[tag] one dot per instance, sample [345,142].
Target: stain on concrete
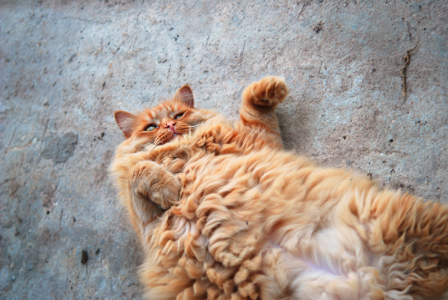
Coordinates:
[101,171]
[59,149]
[84,257]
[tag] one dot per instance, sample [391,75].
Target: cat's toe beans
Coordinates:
[278,89]
[272,90]
[263,101]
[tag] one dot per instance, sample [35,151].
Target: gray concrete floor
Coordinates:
[65,66]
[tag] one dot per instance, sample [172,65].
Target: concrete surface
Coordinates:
[65,66]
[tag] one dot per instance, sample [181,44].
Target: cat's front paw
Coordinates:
[269,91]
[153,181]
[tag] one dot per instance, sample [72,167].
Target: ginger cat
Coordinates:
[224,213]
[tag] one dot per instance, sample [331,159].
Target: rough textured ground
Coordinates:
[65,66]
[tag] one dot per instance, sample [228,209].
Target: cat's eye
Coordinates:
[178,116]
[151,127]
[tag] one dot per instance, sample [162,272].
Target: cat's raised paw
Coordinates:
[269,91]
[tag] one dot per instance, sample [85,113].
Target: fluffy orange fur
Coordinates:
[224,213]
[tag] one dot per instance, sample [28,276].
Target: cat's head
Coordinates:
[163,123]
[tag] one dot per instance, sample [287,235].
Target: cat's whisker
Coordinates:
[152,148]
[192,126]
[158,259]
[156,143]
[169,250]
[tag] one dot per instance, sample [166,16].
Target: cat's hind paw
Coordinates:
[270,91]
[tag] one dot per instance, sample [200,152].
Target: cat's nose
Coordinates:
[170,125]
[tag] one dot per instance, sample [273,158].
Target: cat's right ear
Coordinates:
[126,122]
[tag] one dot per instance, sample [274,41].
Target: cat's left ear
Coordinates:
[185,95]
[126,122]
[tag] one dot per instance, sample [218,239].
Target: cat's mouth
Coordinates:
[168,136]
[175,135]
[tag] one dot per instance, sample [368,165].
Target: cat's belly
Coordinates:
[332,264]
[303,231]
[277,206]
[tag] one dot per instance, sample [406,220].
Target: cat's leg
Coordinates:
[153,181]
[153,190]
[259,101]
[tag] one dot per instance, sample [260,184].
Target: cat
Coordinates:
[223,212]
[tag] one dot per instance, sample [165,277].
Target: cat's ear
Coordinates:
[185,95]
[126,122]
